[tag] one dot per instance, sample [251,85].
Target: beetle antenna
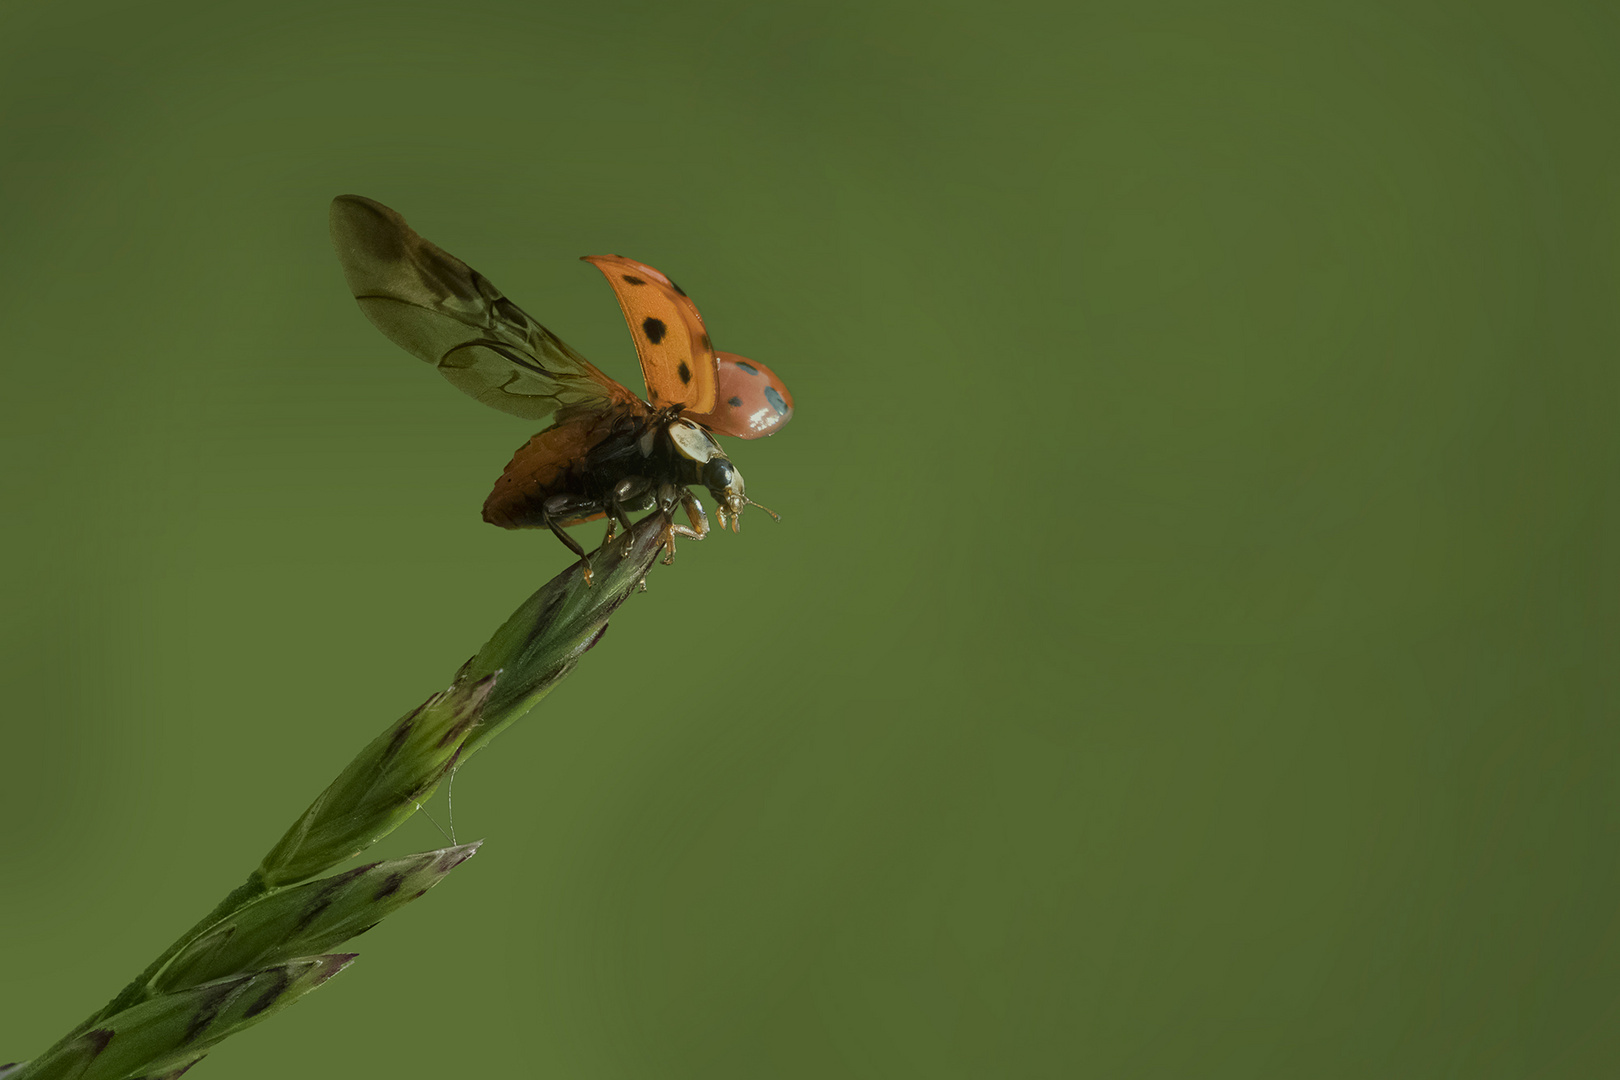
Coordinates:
[774,515]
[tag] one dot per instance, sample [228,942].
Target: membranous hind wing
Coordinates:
[440,309]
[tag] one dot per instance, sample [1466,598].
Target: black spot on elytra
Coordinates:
[747,367]
[632,279]
[654,329]
[735,403]
[776,400]
[684,372]
[708,343]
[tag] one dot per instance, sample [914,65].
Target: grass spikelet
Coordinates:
[265,944]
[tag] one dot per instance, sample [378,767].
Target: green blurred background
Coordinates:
[1191,645]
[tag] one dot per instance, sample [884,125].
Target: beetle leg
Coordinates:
[666,536]
[694,514]
[696,531]
[668,496]
[546,513]
[629,493]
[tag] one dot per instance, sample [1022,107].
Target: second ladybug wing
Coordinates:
[750,401]
[438,308]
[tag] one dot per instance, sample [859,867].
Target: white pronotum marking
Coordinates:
[692,442]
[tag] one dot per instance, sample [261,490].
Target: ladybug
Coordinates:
[607,453]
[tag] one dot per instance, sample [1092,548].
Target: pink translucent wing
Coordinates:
[750,402]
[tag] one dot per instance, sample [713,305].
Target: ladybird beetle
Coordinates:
[607,453]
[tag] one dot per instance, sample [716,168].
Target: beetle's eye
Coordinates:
[718,474]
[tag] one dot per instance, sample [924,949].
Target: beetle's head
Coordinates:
[725,483]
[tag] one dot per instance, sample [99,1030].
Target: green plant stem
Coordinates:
[523,661]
